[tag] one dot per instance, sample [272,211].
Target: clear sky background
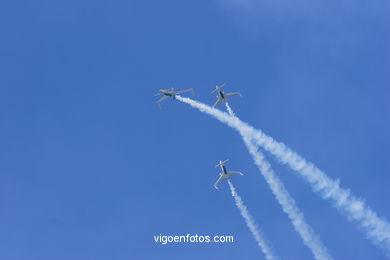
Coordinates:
[90,168]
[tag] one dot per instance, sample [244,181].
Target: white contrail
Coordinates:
[310,239]
[328,188]
[285,200]
[376,228]
[257,234]
[229,109]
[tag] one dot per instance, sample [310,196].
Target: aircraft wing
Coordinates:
[162,99]
[218,181]
[231,173]
[182,91]
[219,101]
[232,94]
[218,88]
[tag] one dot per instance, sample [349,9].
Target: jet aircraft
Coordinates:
[167,93]
[224,174]
[222,97]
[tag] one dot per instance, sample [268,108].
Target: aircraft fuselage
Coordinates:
[167,93]
[221,94]
[223,168]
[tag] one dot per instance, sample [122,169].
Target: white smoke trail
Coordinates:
[285,200]
[328,188]
[229,109]
[257,234]
[376,228]
[310,239]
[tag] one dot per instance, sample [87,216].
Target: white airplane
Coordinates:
[222,97]
[225,173]
[170,93]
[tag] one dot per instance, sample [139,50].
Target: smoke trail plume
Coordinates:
[310,239]
[285,200]
[229,109]
[283,197]
[257,234]
[376,228]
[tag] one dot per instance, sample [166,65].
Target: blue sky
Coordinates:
[90,168]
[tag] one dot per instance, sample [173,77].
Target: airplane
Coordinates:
[170,93]
[222,97]
[225,173]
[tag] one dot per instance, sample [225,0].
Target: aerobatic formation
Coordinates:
[377,229]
